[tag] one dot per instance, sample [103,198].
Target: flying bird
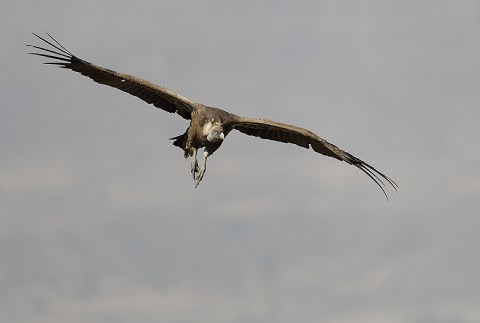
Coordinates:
[208,126]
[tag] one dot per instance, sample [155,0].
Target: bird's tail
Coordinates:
[179,141]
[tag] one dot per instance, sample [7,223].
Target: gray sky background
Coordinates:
[100,221]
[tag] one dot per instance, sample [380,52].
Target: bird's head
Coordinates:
[215,133]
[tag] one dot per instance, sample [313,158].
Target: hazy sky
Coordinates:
[100,221]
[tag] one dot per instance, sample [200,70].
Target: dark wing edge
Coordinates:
[160,97]
[286,133]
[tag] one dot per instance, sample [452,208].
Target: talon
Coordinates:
[200,176]
[202,170]
[194,165]
[195,170]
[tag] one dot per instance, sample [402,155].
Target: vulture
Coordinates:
[209,126]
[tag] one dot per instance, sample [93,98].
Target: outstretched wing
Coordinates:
[282,132]
[160,97]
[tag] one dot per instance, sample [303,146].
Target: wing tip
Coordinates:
[56,51]
[377,177]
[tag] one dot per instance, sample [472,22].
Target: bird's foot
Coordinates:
[195,169]
[194,165]
[201,172]
[202,169]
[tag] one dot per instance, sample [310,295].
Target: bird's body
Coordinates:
[208,126]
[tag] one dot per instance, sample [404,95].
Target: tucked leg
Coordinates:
[194,166]
[202,170]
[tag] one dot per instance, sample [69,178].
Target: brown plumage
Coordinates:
[208,126]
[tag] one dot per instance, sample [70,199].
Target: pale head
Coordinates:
[215,133]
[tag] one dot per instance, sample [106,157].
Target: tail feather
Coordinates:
[179,141]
